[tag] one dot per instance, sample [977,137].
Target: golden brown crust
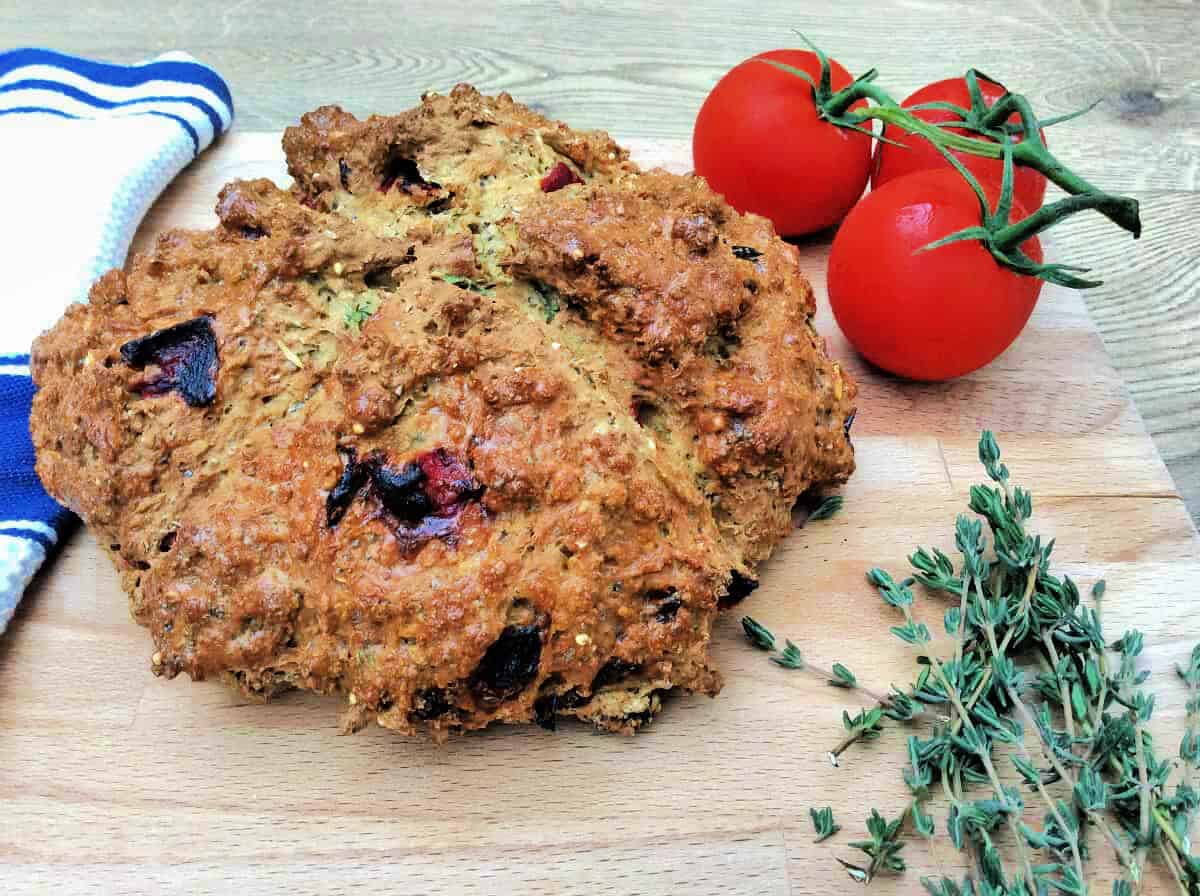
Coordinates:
[477,452]
[723,346]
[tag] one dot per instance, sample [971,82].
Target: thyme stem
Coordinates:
[985,759]
[1064,691]
[1097,819]
[1173,863]
[1015,698]
[1143,797]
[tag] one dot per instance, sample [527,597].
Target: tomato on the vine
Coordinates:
[918,154]
[760,143]
[933,314]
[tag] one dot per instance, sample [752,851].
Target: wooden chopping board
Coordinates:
[113,781]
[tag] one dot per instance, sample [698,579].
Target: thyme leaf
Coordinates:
[827,508]
[484,289]
[823,821]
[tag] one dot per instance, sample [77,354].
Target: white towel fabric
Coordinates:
[85,149]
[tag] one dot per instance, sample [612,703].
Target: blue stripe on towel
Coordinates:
[31,535]
[120,75]
[181,121]
[22,497]
[15,110]
[83,96]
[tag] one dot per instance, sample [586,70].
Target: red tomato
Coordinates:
[892,162]
[758,142]
[927,315]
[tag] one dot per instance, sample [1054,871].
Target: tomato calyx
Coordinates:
[991,130]
[992,120]
[833,106]
[1003,238]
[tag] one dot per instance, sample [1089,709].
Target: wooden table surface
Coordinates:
[641,69]
[112,781]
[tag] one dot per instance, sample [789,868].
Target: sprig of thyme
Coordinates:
[884,848]
[1031,682]
[868,723]
[1089,732]
[790,657]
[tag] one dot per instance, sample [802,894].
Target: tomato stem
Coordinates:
[1047,216]
[1003,239]
[1030,152]
[993,140]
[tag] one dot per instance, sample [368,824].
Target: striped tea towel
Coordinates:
[85,148]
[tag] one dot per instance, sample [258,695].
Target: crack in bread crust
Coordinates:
[479,452]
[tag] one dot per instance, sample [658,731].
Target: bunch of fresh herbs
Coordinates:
[1032,682]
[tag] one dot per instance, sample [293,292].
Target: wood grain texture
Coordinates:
[112,781]
[643,68]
